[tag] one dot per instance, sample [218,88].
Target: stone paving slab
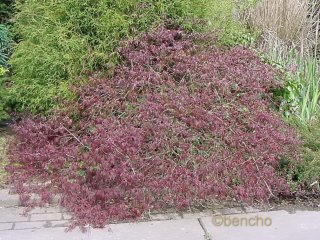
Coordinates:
[16,214]
[30,225]
[183,229]
[186,229]
[6,226]
[284,226]
[12,215]
[52,222]
[8,200]
[45,234]
[280,225]
[46,217]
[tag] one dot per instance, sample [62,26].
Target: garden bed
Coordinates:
[178,124]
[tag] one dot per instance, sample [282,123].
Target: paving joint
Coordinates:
[207,235]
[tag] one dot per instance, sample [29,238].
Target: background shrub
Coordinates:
[61,40]
[5,42]
[3,95]
[6,9]
[177,125]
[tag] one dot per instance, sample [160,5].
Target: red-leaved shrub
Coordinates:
[178,124]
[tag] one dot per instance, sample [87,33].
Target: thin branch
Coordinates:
[75,137]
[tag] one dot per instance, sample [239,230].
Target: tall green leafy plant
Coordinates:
[310,91]
[302,90]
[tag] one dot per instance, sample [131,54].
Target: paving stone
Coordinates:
[284,226]
[12,215]
[45,234]
[46,217]
[173,230]
[182,229]
[49,226]
[30,225]
[228,211]
[62,223]
[197,215]
[167,216]
[8,200]
[41,224]
[38,210]
[66,216]
[5,226]
[251,210]
[54,209]
[49,209]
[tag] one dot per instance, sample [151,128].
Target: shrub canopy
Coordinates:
[61,40]
[5,10]
[5,44]
[177,125]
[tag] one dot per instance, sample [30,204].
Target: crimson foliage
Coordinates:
[178,124]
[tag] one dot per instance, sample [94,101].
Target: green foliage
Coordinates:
[310,91]
[309,170]
[302,90]
[222,17]
[6,8]
[5,42]
[3,71]
[4,142]
[62,41]
[4,45]
[3,96]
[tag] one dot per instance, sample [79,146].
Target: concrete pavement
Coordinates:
[222,224]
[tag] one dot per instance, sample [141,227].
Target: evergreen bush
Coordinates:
[62,40]
[5,42]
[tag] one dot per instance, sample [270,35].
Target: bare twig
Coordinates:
[75,137]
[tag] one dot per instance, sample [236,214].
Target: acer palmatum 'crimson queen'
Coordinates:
[178,124]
